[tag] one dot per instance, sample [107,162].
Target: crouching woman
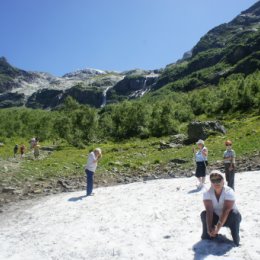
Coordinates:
[221,210]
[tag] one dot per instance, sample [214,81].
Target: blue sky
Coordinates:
[60,36]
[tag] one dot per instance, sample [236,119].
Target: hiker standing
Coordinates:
[36,150]
[201,157]
[90,169]
[229,162]
[22,150]
[32,142]
[16,148]
[220,209]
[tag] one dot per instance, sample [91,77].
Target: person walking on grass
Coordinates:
[229,162]
[220,209]
[36,150]
[201,157]
[16,148]
[90,169]
[32,143]
[22,150]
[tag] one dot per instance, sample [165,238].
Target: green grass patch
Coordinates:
[129,156]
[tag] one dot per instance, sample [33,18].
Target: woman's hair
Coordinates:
[228,142]
[98,150]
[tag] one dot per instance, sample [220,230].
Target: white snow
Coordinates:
[41,80]
[85,73]
[153,220]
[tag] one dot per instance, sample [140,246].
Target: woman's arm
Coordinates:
[228,205]
[97,157]
[209,216]
[205,152]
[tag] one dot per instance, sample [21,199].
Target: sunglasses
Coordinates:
[216,180]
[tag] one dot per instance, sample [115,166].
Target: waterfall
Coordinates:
[144,85]
[104,97]
[140,92]
[148,83]
[144,88]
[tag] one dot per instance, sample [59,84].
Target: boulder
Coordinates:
[164,146]
[178,139]
[8,190]
[202,130]
[179,161]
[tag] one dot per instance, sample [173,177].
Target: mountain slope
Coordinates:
[230,48]
[87,86]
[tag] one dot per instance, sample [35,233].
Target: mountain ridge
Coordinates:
[223,50]
[30,87]
[229,48]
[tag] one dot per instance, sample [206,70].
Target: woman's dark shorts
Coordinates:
[201,169]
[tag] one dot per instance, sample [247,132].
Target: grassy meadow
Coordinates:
[132,156]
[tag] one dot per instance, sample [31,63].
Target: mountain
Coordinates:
[87,86]
[232,47]
[227,49]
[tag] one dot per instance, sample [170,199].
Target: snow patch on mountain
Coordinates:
[84,73]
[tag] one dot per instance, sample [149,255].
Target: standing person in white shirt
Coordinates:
[221,210]
[201,157]
[90,169]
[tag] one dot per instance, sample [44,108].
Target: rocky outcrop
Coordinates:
[132,86]
[92,97]
[45,91]
[45,98]
[202,130]
[11,100]
[84,74]
[51,98]
[219,36]
[8,70]
[7,75]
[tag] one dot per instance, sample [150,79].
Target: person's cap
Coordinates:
[200,142]
[216,173]
[228,142]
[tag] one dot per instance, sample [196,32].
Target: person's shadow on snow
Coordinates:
[74,199]
[194,191]
[217,247]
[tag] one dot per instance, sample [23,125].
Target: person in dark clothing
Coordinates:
[22,150]
[229,163]
[201,157]
[16,148]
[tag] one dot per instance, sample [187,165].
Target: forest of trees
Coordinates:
[79,124]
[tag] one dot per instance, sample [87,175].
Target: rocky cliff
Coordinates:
[88,86]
